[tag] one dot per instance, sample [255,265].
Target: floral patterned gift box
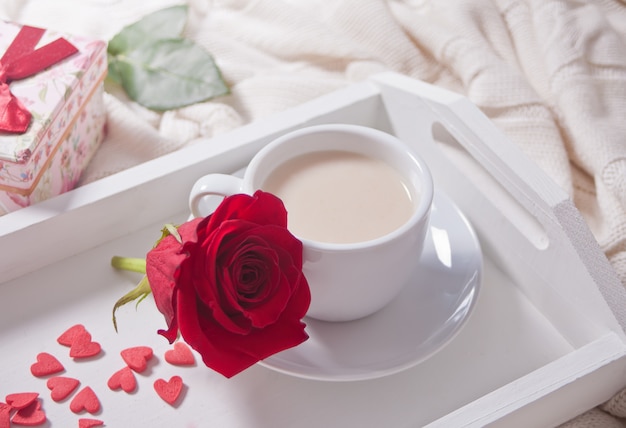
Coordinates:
[52,83]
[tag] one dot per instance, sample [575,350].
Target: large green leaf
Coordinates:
[169,73]
[166,23]
[113,74]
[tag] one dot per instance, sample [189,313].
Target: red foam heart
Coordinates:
[123,379]
[46,364]
[5,415]
[21,400]
[68,337]
[30,416]
[181,355]
[86,400]
[88,423]
[137,358]
[170,390]
[84,347]
[61,387]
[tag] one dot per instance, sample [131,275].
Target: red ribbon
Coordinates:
[22,60]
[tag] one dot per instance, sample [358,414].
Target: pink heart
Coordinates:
[68,337]
[30,416]
[84,347]
[170,390]
[87,400]
[5,415]
[21,400]
[181,355]
[46,365]
[137,357]
[124,379]
[61,387]
[88,423]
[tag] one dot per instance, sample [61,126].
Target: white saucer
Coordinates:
[427,314]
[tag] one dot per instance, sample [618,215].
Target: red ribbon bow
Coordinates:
[21,60]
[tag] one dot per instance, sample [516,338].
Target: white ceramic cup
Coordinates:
[347,280]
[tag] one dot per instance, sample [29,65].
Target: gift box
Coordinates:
[60,106]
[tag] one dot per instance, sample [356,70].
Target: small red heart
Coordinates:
[137,358]
[61,387]
[84,347]
[20,400]
[123,379]
[181,355]
[46,364]
[5,415]
[87,400]
[88,423]
[68,337]
[170,390]
[30,416]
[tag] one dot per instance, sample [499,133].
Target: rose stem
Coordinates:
[129,263]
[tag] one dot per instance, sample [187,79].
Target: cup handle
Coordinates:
[213,184]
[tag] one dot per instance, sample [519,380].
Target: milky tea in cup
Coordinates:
[341,197]
[358,198]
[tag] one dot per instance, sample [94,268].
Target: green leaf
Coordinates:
[169,73]
[112,73]
[141,291]
[170,229]
[163,24]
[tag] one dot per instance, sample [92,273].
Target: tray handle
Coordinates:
[529,224]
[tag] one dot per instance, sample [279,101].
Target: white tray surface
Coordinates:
[504,339]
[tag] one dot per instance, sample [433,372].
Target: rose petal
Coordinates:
[268,308]
[228,353]
[194,329]
[227,210]
[163,261]
[218,289]
[287,332]
[265,209]
[261,208]
[203,279]
[283,239]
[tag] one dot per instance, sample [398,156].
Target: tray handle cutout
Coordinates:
[447,128]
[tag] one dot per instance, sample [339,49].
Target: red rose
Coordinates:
[234,286]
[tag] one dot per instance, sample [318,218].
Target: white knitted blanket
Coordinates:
[550,73]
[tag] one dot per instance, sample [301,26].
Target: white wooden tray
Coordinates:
[542,345]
